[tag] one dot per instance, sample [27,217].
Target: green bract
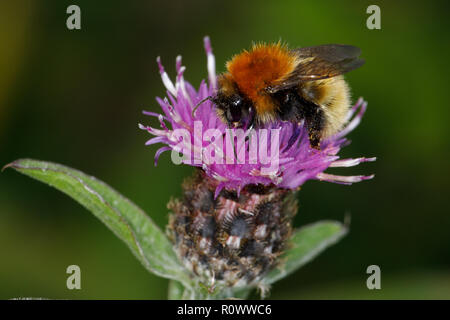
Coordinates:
[151,246]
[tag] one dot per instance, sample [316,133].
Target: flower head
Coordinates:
[282,156]
[235,216]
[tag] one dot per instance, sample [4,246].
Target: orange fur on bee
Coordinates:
[262,66]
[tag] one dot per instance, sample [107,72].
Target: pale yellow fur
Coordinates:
[333,95]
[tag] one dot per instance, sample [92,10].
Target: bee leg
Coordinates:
[316,122]
[293,138]
[314,138]
[250,119]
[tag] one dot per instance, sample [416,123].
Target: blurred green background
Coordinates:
[75,97]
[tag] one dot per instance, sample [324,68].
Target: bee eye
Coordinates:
[237,101]
[287,98]
[234,112]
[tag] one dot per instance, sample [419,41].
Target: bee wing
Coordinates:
[321,62]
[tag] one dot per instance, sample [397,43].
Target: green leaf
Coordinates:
[176,290]
[147,242]
[305,244]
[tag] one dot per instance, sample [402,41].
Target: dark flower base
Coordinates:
[231,240]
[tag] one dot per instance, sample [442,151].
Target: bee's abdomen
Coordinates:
[333,96]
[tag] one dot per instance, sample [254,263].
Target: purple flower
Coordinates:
[282,157]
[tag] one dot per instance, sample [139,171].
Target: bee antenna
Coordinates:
[198,105]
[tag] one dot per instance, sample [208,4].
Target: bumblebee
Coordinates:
[271,82]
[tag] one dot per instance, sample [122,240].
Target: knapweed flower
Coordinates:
[236,212]
[190,134]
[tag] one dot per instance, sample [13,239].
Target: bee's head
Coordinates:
[232,109]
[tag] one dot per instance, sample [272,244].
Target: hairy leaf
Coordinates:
[147,242]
